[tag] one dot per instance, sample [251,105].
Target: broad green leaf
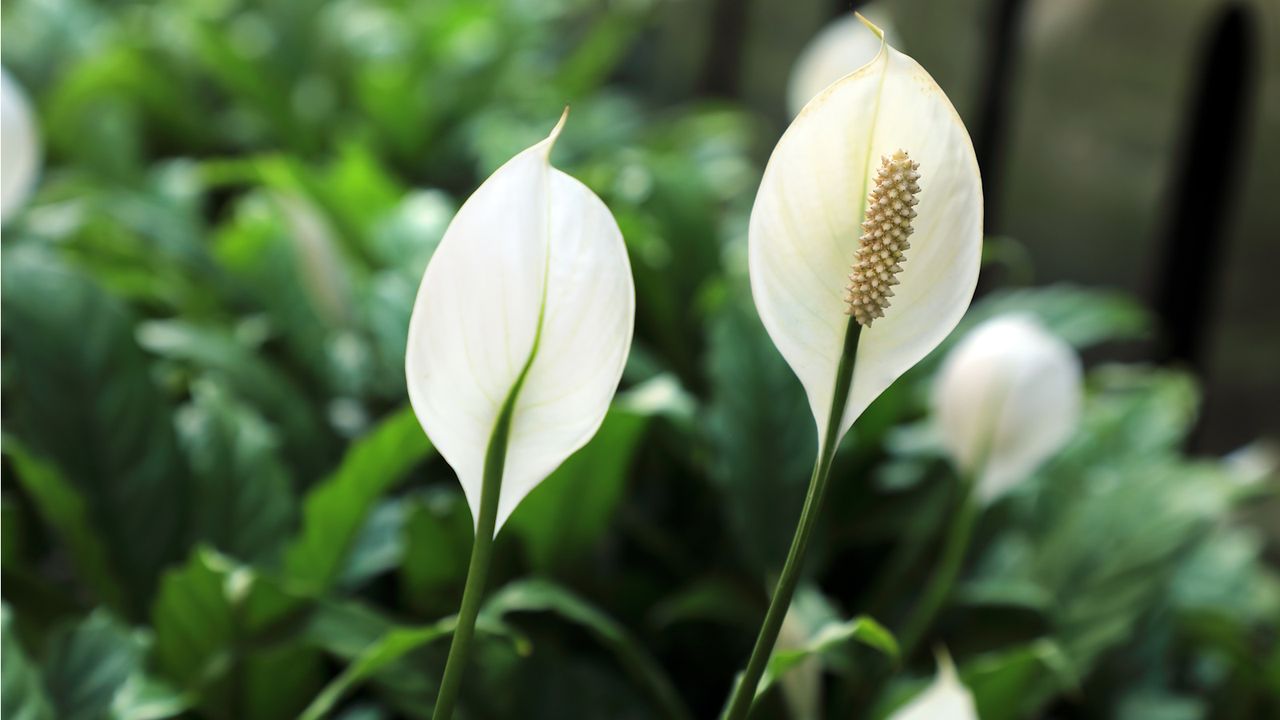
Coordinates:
[243,497]
[761,433]
[78,392]
[1013,683]
[562,520]
[545,596]
[23,694]
[145,698]
[88,665]
[63,508]
[217,638]
[437,538]
[379,547]
[335,510]
[217,352]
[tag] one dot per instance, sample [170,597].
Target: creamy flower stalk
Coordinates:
[864,247]
[1006,399]
[517,342]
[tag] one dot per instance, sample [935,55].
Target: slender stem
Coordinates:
[944,575]
[481,553]
[745,690]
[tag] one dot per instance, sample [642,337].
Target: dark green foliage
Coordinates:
[217,503]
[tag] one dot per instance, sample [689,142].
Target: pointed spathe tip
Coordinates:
[870,25]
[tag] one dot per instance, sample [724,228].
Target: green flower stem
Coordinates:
[495,459]
[745,690]
[944,576]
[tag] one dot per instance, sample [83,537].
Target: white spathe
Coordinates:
[839,48]
[1007,398]
[945,699]
[805,230]
[532,271]
[19,147]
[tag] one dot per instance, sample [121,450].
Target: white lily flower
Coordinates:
[842,46]
[1007,398]
[19,147]
[945,699]
[878,156]
[528,301]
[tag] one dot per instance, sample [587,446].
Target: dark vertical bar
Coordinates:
[1201,196]
[724,52]
[989,137]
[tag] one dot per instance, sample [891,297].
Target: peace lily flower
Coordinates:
[1007,398]
[19,147]
[841,47]
[864,246]
[945,699]
[519,334]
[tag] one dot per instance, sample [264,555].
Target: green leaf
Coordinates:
[545,596]
[23,695]
[1013,683]
[336,510]
[243,498]
[762,434]
[216,352]
[861,629]
[63,508]
[218,638]
[437,537]
[387,650]
[78,391]
[1081,316]
[194,621]
[88,665]
[562,520]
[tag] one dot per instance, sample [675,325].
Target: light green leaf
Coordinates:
[387,650]
[336,509]
[87,666]
[63,508]
[23,695]
[1012,683]
[545,596]
[861,629]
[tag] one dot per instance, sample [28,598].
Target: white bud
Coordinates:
[1007,398]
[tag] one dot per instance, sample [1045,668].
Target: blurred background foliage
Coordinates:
[217,504]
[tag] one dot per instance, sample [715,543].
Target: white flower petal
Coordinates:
[1007,397]
[532,254]
[19,147]
[805,229]
[842,46]
[945,699]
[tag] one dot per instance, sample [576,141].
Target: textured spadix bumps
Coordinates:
[807,228]
[529,292]
[885,238]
